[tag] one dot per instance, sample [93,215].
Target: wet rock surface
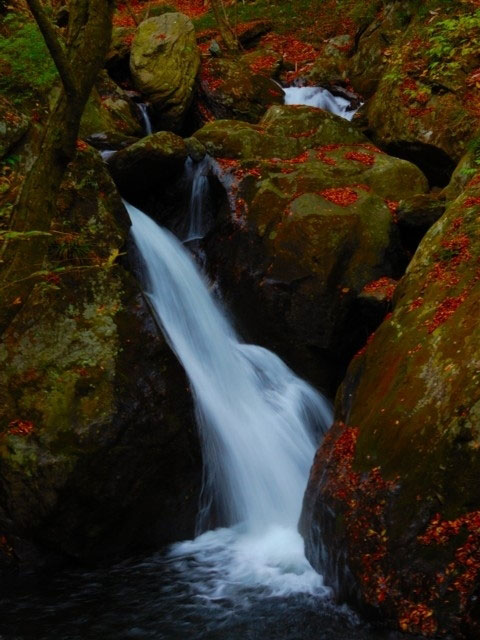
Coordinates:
[312,223]
[397,470]
[95,412]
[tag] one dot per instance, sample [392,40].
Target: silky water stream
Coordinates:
[259,425]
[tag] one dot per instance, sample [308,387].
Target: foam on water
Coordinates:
[321,99]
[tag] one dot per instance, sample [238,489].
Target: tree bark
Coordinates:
[229,36]
[78,64]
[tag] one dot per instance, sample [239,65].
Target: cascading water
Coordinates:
[259,423]
[196,175]
[147,124]
[245,582]
[321,99]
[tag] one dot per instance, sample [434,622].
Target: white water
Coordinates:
[147,124]
[107,154]
[260,425]
[196,175]
[321,99]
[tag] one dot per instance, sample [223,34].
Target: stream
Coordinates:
[260,426]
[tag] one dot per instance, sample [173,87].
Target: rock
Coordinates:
[435,95]
[148,164]
[110,140]
[327,72]
[249,33]
[214,49]
[117,61]
[231,90]
[416,215]
[97,449]
[399,469]
[464,172]
[265,61]
[109,108]
[13,126]
[306,224]
[330,68]
[195,149]
[164,63]
[433,135]
[284,132]
[372,56]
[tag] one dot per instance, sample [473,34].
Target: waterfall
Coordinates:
[196,176]
[147,125]
[259,424]
[320,98]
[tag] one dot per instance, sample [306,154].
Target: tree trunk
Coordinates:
[36,207]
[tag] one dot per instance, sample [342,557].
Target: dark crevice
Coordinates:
[437,165]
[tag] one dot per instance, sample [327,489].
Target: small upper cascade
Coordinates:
[321,99]
[147,123]
[196,175]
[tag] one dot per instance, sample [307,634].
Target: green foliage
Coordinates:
[284,13]
[70,247]
[22,235]
[26,68]
[452,40]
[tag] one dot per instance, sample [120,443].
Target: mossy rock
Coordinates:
[283,132]
[109,108]
[428,73]
[164,63]
[464,172]
[407,440]
[155,159]
[441,123]
[263,60]
[231,90]
[13,126]
[307,223]
[95,429]
[367,66]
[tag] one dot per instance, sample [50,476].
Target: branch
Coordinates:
[78,15]
[54,46]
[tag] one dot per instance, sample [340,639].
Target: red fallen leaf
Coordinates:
[393,206]
[416,304]
[364,158]
[472,201]
[20,427]
[81,145]
[445,310]
[383,285]
[341,196]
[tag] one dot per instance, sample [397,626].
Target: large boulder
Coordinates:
[13,125]
[283,133]
[391,515]
[306,225]
[231,90]
[146,165]
[426,104]
[97,448]
[164,62]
